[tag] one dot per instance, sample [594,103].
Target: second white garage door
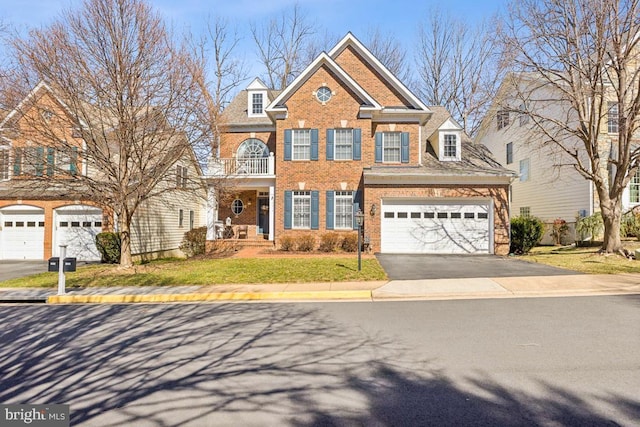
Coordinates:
[77,227]
[438,227]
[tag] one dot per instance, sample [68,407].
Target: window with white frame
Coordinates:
[613,117]
[181,176]
[391,142]
[4,163]
[450,146]
[509,152]
[257,104]
[343,144]
[301,209]
[634,189]
[524,115]
[343,210]
[301,143]
[524,170]
[502,119]
[525,211]
[180,218]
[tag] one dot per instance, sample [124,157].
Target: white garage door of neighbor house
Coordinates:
[22,233]
[435,227]
[77,228]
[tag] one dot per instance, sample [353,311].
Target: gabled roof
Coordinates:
[278,104]
[30,96]
[236,114]
[350,40]
[438,119]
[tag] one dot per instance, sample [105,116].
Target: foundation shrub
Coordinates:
[287,244]
[193,242]
[350,243]
[306,243]
[329,242]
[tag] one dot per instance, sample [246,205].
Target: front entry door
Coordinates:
[263,215]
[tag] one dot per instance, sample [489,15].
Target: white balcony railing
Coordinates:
[242,167]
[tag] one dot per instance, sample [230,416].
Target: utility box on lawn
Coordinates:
[54,264]
[69,265]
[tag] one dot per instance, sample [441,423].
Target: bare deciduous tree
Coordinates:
[132,94]
[583,57]
[282,45]
[390,52]
[458,67]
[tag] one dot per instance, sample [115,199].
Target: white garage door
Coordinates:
[435,227]
[22,233]
[77,227]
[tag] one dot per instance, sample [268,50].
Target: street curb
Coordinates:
[216,296]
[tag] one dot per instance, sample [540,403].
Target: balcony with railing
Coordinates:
[242,167]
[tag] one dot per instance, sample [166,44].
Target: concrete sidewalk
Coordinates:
[433,289]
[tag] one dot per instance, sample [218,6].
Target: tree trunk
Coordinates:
[611,217]
[125,242]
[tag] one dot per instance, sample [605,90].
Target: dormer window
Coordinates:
[257,104]
[450,146]
[257,99]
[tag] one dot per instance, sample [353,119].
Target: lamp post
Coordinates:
[359,221]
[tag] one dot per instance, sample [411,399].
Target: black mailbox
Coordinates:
[69,264]
[54,264]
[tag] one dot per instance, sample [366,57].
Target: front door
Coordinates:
[263,215]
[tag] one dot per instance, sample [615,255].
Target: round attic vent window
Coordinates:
[323,94]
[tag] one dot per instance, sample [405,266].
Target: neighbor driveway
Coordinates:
[417,267]
[14,269]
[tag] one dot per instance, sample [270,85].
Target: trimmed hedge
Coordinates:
[194,241]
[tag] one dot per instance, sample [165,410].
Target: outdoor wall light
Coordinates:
[372,212]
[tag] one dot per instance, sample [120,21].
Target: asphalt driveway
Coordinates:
[14,269]
[417,267]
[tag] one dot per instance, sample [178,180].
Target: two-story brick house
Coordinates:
[347,135]
[42,206]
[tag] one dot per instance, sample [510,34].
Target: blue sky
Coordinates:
[397,17]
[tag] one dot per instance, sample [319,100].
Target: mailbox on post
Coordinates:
[54,264]
[69,265]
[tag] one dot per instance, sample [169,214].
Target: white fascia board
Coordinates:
[400,178]
[350,39]
[31,94]
[323,58]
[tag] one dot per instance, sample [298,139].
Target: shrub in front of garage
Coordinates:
[108,245]
[526,232]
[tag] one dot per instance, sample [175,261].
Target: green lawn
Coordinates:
[585,260]
[213,272]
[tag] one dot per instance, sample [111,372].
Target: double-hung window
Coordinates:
[613,117]
[450,146]
[391,147]
[343,144]
[301,143]
[634,188]
[4,164]
[343,210]
[301,209]
[502,119]
[509,152]
[256,104]
[524,170]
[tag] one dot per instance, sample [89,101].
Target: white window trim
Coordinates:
[9,165]
[335,145]
[250,94]
[458,136]
[342,195]
[301,195]
[528,176]
[384,143]
[294,133]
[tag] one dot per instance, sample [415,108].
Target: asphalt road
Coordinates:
[547,361]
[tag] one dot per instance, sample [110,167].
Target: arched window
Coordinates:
[251,157]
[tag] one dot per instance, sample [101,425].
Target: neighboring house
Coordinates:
[347,135]
[548,186]
[35,219]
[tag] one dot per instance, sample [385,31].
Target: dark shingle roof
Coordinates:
[236,112]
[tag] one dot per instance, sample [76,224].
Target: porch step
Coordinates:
[243,243]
